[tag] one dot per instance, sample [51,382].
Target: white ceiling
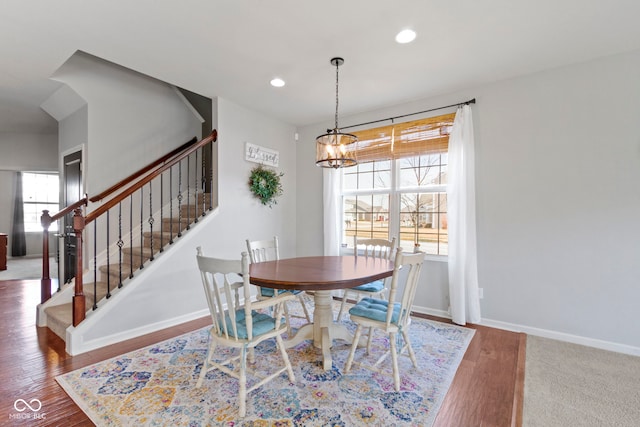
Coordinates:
[233,49]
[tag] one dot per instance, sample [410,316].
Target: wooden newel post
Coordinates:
[45,281]
[78,298]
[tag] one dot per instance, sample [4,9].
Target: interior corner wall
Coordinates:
[241,215]
[173,281]
[132,118]
[558,200]
[73,131]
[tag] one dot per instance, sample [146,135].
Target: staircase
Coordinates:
[120,232]
[134,259]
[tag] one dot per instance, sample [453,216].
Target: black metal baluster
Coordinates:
[180,198]
[171,205]
[131,236]
[210,165]
[150,220]
[108,260]
[188,189]
[203,181]
[195,179]
[95,264]
[141,228]
[120,244]
[58,258]
[161,212]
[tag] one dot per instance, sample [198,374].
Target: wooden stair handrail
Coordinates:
[80,221]
[132,177]
[68,209]
[91,216]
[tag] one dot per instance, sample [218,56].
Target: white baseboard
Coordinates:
[544,333]
[75,348]
[432,312]
[562,336]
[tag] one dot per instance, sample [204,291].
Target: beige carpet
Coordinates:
[569,385]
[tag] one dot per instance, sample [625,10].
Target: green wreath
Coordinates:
[265,185]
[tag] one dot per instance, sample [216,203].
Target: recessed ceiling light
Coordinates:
[277,82]
[405,36]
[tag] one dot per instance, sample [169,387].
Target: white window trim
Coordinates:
[394,204]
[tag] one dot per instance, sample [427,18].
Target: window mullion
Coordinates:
[394,203]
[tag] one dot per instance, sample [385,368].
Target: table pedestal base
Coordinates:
[323,330]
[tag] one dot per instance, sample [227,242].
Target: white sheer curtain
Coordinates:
[332,183]
[461,216]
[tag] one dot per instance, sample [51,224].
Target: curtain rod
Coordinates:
[471,101]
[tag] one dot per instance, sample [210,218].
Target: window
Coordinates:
[399,187]
[40,191]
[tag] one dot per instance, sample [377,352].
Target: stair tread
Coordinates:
[166,232]
[60,312]
[63,313]
[175,219]
[136,250]
[101,289]
[60,317]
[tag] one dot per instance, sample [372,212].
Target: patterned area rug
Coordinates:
[155,386]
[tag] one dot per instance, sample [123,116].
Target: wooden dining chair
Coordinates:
[268,250]
[390,317]
[238,324]
[376,248]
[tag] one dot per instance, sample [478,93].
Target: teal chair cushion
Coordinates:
[268,292]
[375,309]
[262,323]
[373,287]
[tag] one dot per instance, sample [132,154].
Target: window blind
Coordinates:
[408,139]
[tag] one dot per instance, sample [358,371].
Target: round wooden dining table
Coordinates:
[320,274]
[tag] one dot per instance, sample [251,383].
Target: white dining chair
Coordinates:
[269,250]
[376,248]
[237,323]
[391,317]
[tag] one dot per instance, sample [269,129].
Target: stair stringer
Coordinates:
[167,294]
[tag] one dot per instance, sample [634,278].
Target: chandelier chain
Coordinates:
[337,67]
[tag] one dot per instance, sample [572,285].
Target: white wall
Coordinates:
[170,290]
[132,118]
[558,201]
[242,216]
[23,152]
[73,131]
[28,152]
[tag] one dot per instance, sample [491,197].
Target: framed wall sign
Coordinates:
[264,156]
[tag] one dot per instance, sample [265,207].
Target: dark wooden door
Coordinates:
[72,193]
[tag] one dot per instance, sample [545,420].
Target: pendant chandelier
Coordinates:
[335,149]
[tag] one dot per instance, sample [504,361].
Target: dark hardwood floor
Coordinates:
[487,389]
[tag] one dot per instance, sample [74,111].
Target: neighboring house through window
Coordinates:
[40,191]
[399,187]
